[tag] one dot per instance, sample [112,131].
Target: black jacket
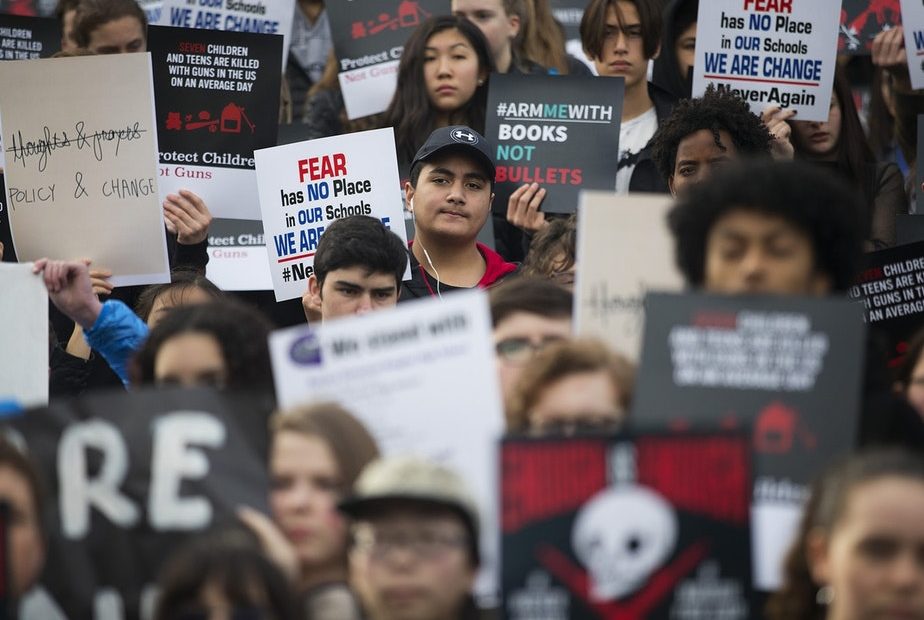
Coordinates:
[645,177]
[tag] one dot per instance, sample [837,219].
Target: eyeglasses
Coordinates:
[424,544]
[521,350]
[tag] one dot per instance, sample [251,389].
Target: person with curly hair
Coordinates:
[706,132]
[218,344]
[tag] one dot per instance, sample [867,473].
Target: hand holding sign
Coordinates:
[187,216]
[523,208]
[889,53]
[70,289]
[775,119]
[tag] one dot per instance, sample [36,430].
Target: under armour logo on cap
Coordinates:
[462,135]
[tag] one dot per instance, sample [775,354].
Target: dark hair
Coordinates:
[823,208]
[11,456]
[855,159]
[91,14]
[557,239]
[181,280]
[532,295]
[63,7]
[360,241]
[240,330]
[232,559]
[542,39]
[348,439]
[666,70]
[410,111]
[593,25]
[796,599]
[718,109]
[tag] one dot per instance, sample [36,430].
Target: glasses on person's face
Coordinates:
[521,350]
[424,544]
[586,424]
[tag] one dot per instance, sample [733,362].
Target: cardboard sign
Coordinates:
[124,490]
[559,131]
[891,288]
[769,52]
[253,16]
[217,101]
[24,333]
[611,281]
[152,9]
[28,38]
[913,16]
[789,368]
[81,178]
[369,38]
[862,20]
[306,186]
[237,256]
[421,377]
[651,527]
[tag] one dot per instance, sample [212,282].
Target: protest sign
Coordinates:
[913,17]
[28,7]
[248,16]
[369,38]
[647,526]
[909,228]
[24,334]
[559,131]
[410,374]
[152,9]
[862,20]
[891,288]
[769,52]
[306,186]
[28,38]
[128,477]
[217,97]
[81,178]
[237,256]
[611,281]
[789,368]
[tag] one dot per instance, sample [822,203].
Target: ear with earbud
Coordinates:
[410,206]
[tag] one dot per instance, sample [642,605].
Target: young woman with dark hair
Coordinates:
[442,81]
[840,144]
[858,550]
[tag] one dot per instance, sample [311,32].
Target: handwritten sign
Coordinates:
[28,38]
[624,250]
[400,371]
[81,163]
[23,331]
[559,131]
[913,17]
[306,186]
[369,38]
[255,16]
[217,99]
[769,52]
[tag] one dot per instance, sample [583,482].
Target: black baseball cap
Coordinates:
[457,137]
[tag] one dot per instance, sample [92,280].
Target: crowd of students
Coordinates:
[763,205]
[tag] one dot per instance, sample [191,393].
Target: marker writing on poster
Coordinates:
[26,148]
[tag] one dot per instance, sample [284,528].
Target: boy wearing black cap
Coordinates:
[449,193]
[414,551]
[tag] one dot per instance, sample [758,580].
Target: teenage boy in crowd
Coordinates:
[414,542]
[784,228]
[449,193]
[111,26]
[702,134]
[620,36]
[358,268]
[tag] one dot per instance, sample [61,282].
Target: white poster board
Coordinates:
[81,163]
[624,250]
[422,377]
[237,256]
[24,334]
[258,16]
[769,52]
[913,21]
[305,186]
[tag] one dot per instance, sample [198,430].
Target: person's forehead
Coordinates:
[622,11]
[456,161]
[477,5]
[704,140]
[525,324]
[361,275]
[409,514]
[755,221]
